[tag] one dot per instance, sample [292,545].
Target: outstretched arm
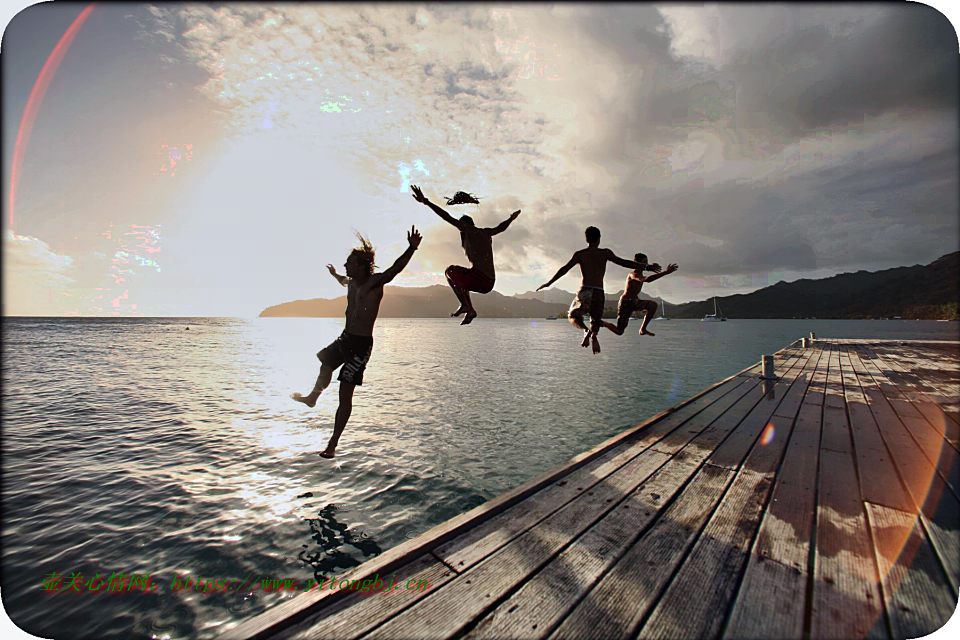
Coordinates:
[344,280]
[506,223]
[560,273]
[414,238]
[630,264]
[670,269]
[419,197]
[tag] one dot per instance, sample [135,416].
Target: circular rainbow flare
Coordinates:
[36,99]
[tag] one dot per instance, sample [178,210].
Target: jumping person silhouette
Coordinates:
[478,245]
[593,264]
[630,300]
[353,347]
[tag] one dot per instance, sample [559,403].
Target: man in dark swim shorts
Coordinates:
[352,349]
[478,244]
[630,300]
[593,265]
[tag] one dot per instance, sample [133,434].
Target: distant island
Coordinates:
[928,292]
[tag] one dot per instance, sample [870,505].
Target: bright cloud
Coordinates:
[36,279]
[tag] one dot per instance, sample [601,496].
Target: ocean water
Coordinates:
[170,446]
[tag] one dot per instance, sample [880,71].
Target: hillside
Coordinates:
[921,292]
[436,301]
[925,292]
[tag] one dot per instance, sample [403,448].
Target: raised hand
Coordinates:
[513,216]
[673,267]
[413,236]
[333,271]
[655,267]
[418,194]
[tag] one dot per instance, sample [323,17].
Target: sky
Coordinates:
[211,160]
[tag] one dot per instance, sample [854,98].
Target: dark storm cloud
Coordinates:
[812,78]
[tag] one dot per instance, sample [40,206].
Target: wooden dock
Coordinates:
[821,504]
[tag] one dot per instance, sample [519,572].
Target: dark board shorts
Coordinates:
[351,351]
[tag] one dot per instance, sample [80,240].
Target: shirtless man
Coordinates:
[478,245]
[593,264]
[353,347]
[630,300]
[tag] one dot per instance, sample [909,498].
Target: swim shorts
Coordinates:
[469,279]
[351,351]
[588,300]
[625,309]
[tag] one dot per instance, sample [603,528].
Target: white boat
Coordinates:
[715,316]
[662,316]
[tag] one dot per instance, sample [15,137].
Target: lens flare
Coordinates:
[769,433]
[36,99]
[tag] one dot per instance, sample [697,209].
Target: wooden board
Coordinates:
[846,600]
[919,597]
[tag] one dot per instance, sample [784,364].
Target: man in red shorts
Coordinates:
[478,244]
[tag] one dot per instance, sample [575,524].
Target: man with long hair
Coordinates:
[478,245]
[353,347]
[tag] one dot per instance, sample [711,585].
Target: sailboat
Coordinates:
[715,316]
[662,315]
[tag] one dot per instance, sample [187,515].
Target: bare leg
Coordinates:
[343,414]
[464,305]
[592,336]
[323,381]
[651,309]
[617,330]
[577,321]
[471,312]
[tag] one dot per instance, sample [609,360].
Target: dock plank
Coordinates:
[615,606]
[931,440]
[538,607]
[924,395]
[879,481]
[846,599]
[914,469]
[770,603]
[919,597]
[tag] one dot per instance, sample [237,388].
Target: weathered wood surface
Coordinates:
[822,504]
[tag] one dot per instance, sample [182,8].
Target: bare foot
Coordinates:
[310,401]
[596,345]
[586,340]
[327,454]
[456,313]
[644,332]
[467,319]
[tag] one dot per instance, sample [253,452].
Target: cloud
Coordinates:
[36,279]
[734,139]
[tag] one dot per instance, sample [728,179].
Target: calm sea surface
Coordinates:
[139,446]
